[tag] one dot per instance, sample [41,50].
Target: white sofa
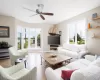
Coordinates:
[14,54]
[86,70]
[17,72]
[72,50]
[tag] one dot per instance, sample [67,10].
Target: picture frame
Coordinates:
[94,15]
[4,32]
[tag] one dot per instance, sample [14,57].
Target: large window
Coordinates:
[29,38]
[77,32]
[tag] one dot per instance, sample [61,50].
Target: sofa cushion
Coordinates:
[96,62]
[81,47]
[71,54]
[68,53]
[71,47]
[81,63]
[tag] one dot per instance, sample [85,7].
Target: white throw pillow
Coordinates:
[96,62]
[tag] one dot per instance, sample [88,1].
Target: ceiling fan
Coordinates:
[39,11]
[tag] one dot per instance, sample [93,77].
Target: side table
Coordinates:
[21,60]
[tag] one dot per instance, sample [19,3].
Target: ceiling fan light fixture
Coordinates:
[40,5]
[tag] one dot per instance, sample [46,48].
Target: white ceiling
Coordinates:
[62,9]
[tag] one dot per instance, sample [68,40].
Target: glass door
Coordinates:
[32,38]
[38,38]
[28,38]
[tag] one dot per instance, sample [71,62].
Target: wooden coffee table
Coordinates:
[55,62]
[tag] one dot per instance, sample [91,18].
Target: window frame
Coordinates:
[22,31]
[75,23]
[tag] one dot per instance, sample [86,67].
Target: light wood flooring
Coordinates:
[34,59]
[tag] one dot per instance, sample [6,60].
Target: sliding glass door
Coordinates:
[35,38]
[32,38]
[29,38]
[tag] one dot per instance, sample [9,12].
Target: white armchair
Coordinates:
[17,72]
[14,54]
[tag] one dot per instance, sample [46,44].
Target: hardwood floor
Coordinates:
[34,60]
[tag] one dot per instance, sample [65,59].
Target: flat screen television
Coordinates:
[54,40]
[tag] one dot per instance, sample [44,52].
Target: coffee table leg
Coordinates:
[25,63]
[41,60]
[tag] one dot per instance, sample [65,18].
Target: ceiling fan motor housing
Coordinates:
[40,5]
[37,11]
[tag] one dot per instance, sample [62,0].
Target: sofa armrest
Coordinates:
[31,75]
[52,75]
[61,50]
[15,68]
[23,52]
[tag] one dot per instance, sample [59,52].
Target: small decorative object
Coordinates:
[53,30]
[60,32]
[94,15]
[54,59]
[4,31]
[52,33]
[53,56]
[89,26]
[4,44]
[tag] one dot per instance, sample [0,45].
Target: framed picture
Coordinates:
[94,15]
[4,31]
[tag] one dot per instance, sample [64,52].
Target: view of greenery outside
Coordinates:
[79,40]
[34,34]
[32,42]
[26,43]
[38,40]
[19,41]
[71,41]
[19,46]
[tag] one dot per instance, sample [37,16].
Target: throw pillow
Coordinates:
[66,74]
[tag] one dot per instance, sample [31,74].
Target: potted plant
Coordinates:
[4,44]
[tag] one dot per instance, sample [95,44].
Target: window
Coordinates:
[35,37]
[28,38]
[77,32]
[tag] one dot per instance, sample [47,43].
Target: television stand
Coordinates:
[53,47]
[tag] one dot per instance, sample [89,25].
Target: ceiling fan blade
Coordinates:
[51,14]
[33,15]
[42,17]
[29,9]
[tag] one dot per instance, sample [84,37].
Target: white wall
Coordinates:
[14,23]
[87,15]
[8,21]
[93,44]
